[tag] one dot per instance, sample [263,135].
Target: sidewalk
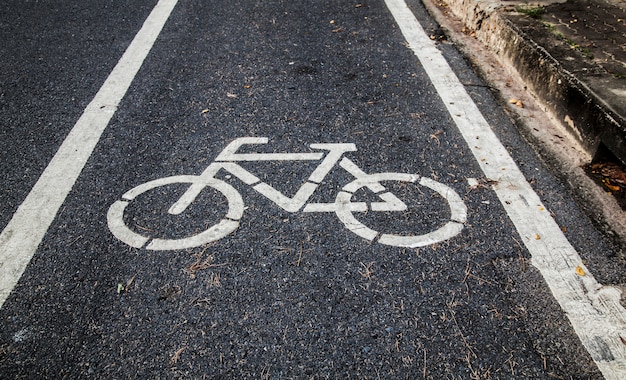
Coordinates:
[571,55]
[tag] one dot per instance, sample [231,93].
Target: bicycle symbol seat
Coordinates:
[343,205]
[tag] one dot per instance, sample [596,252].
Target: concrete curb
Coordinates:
[529,63]
[581,101]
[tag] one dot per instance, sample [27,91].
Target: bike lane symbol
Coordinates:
[343,206]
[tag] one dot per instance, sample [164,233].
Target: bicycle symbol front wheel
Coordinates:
[230,222]
[345,210]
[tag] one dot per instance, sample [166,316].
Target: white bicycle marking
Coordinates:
[452,228]
[115,216]
[343,205]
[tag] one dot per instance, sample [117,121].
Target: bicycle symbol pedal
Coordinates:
[329,155]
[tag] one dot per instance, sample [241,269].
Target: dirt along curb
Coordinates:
[546,101]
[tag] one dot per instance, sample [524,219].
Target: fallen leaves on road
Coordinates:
[612,171]
[612,176]
[517,102]
[580,271]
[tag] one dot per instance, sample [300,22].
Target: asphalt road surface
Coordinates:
[279,189]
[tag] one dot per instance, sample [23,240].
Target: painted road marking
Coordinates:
[230,222]
[594,310]
[23,234]
[458,211]
[343,206]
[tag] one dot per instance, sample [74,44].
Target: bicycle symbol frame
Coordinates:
[343,206]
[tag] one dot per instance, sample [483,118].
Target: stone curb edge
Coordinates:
[564,155]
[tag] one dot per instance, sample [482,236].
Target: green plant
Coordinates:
[534,12]
[584,51]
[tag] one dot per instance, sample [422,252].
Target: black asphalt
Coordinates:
[55,56]
[287,295]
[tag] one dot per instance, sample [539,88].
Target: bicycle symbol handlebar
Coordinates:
[343,205]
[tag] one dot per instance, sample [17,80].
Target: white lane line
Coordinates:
[593,310]
[21,237]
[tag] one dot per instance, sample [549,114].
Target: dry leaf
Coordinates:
[613,175]
[580,271]
[610,186]
[537,237]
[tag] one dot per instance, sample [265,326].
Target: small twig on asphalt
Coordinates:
[520,256]
[465,342]
[425,371]
[367,270]
[176,356]
[199,265]
[300,255]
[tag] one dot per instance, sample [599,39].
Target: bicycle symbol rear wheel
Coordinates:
[230,222]
[345,211]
